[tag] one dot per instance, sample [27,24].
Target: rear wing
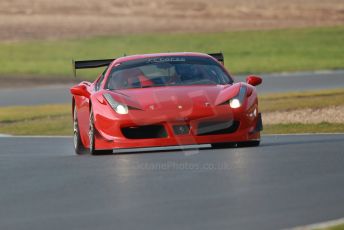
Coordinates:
[88,64]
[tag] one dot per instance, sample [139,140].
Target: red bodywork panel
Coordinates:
[174,115]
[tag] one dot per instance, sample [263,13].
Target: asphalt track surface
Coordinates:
[288,181]
[271,83]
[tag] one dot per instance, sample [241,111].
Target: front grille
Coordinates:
[181,129]
[144,132]
[212,128]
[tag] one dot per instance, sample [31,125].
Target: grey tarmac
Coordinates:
[290,180]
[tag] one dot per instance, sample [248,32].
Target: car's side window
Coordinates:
[100,80]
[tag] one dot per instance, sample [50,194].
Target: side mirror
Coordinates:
[80,90]
[253,80]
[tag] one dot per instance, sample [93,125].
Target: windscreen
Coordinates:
[167,71]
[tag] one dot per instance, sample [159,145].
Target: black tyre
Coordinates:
[78,145]
[91,136]
[223,145]
[248,144]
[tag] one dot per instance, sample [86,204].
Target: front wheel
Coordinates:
[91,136]
[223,145]
[249,144]
[233,145]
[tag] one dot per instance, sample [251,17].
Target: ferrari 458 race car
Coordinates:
[164,99]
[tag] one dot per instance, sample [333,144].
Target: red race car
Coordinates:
[164,99]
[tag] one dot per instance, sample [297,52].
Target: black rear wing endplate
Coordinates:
[218,56]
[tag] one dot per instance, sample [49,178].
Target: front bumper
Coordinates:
[239,126]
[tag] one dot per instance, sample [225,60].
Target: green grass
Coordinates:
[303,128]
[14,114]
[56,119]
[36,120]
[245,51]
[293,101]
[45,126]
[338,227]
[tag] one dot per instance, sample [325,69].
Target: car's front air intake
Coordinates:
[144,132]
[211,128]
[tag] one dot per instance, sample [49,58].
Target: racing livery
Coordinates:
[164,99]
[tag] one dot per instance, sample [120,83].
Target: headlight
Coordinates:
[234,103]
[238,100]
[118,107]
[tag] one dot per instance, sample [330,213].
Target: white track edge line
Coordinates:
[321,225]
